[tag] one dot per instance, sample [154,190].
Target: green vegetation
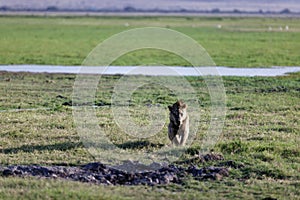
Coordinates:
[261,134]
[261,130]
[241,42]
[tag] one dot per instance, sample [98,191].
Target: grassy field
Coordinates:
[241,42]
[261,130]
[261,133]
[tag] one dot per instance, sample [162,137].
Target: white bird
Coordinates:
[287,28]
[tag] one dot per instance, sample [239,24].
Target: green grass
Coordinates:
[261,132]
[16,188]
[241,42]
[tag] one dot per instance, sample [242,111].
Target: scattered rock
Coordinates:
[211,157]
[214,173]
[204,158]
[7,172]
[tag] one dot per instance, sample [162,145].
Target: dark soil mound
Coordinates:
[99,173]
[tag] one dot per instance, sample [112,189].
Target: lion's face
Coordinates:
[178,113]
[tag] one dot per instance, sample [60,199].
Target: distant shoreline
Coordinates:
[149,13]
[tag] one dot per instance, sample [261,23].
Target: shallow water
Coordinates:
[153,70]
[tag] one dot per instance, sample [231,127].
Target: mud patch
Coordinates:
[99,173]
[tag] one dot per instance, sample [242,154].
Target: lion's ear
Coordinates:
[184,106]
[179,103]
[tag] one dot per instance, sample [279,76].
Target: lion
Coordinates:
[178,129]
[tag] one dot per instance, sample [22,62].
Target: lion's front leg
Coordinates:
[184,133]
[173,136]
[176,140]
[183,138]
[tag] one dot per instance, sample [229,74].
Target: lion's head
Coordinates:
[178,113]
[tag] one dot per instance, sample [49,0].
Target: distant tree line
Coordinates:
[133,9]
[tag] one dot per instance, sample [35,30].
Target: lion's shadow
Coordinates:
[138,145]
[48,147]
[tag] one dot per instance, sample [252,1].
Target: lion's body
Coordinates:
[178,129]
